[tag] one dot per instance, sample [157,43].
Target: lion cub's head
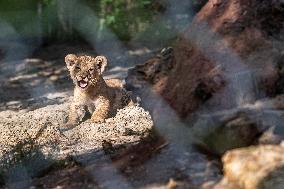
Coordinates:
[85,70]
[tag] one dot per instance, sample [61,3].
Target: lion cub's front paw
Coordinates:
[97,119]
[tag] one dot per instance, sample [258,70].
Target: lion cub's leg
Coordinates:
[102,110]
[76,114]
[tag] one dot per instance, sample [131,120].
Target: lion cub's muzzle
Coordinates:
[82,82]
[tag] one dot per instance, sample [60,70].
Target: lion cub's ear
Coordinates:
[70,60]
[101,63]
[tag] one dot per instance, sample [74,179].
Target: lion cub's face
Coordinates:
[85,70]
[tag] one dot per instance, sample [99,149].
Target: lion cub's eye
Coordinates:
[77,68]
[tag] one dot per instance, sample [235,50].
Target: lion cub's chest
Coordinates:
[92,104]
[117,96]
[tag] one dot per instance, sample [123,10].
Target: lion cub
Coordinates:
[92,93]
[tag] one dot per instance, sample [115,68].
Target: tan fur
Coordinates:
[92,93]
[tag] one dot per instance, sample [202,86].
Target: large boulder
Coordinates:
[256,167]
[229,56]
[31,142]
[221,132]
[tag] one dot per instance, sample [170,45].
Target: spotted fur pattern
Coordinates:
[92,93]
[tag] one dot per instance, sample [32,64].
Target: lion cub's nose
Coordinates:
[81,77]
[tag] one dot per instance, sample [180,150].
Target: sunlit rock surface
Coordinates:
[256,167]
[42,126]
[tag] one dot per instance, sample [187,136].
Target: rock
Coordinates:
[221,35]
[159,71]
[256,167]
[258,123]
[32,139]
[276,103]
[217,135]
[152,71]
[53,78]
[269,137]
[172,184]
[42,125]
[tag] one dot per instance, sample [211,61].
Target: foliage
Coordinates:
[56,20]
[126,18]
